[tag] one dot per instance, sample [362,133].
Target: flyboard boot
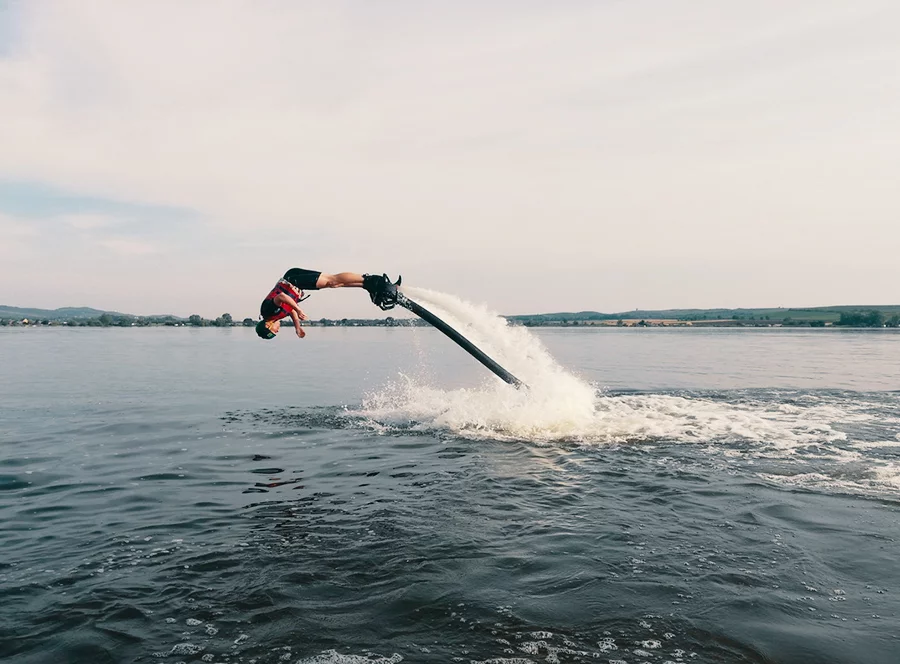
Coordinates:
[384,294]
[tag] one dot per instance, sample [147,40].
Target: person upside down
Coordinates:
[284,299]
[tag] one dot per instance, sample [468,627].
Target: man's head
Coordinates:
[267,329]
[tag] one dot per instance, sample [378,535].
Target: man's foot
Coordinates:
[381,290]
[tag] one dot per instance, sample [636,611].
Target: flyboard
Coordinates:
[390,297]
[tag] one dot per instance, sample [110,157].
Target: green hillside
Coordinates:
[832,315]
[66,313]
[842,315]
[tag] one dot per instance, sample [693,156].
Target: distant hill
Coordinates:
[846,315]
[66,313]
[827,314]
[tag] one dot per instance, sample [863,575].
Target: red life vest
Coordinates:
[285,288]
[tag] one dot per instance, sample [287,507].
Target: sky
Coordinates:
[177,157]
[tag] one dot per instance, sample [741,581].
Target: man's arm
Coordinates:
[281,298]
[297,327]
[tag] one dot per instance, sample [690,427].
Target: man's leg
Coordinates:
[340,280]
[380,288]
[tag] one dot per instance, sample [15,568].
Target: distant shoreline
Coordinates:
[846,316]
[626,324]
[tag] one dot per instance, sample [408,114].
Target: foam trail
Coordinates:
[559,406]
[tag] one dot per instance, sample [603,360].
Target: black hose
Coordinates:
[467,345]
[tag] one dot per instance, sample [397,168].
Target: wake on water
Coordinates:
[559,406]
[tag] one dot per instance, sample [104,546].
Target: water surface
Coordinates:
[661,495]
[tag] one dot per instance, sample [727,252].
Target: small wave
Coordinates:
[877,478]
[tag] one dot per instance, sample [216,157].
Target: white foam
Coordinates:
[498,412]
[186,649]
[561,407]
[334,657]
[557,405]
[887,473]
[880,478]
[876,444]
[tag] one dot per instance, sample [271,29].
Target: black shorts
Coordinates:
[302,279]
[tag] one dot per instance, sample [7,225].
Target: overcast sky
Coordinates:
[178,157]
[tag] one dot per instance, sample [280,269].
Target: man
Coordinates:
[284,299]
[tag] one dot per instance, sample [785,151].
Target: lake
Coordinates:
[375,495]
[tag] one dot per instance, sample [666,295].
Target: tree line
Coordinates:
[860,318]
[869,318]
[196,320]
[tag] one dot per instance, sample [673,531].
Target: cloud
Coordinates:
[125,247]
[15,234]
[89,222]
[95,231]
[474,146]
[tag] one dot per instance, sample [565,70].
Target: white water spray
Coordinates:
[560,407]
[556,405]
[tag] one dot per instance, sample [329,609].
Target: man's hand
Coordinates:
[295,316]
[301,315]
